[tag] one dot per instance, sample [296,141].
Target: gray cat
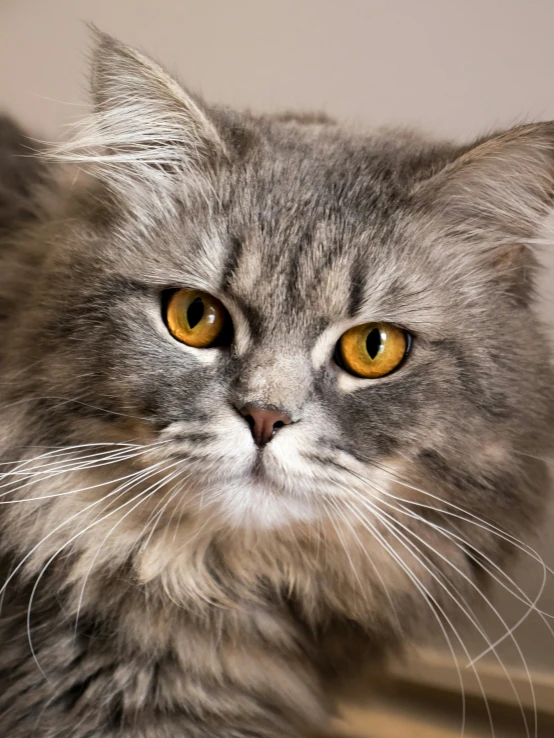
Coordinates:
[274,400]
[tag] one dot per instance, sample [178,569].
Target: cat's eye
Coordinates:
[372,350]
[196,318]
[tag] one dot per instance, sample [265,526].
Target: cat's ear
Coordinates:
[497,198]
[145,129]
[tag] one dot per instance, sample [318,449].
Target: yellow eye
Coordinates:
[195,318]
[372,350]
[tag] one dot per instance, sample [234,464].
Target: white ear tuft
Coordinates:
[144,127]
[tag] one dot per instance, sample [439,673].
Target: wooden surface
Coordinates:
[397,710]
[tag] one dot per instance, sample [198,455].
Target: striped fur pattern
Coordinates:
[161,577]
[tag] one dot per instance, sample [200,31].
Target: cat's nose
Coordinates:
[264,422]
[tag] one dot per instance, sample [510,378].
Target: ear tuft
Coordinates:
[144,128]
[496,197]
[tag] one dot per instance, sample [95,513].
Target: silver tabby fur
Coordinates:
[162,577]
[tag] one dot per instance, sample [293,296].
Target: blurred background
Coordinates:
[455,69]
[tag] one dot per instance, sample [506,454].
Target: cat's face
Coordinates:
[300,232]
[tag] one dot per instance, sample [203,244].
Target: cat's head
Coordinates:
[290,316]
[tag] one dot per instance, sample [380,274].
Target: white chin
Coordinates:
[257,504]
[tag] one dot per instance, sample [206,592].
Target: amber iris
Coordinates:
[372,350]
[195,318]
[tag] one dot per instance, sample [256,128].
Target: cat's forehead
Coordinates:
[309,275]
[317,176]
[309,223]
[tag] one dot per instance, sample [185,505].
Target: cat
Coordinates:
[274,401]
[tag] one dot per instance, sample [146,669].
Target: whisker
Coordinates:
[69,400]
[64,471]
[87,459]
[65,450]
[166,499]
[467,517]
[464,546]
[479,521]
[121,490]
[431,601]
[464,607]
[372,563]
[347,552]
[132,476]
[155,487]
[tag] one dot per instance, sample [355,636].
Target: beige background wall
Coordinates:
[457,68]
[454,68]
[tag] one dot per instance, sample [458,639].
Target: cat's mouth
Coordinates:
[269,472]
[258,471]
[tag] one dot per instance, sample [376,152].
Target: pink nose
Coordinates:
[263,422]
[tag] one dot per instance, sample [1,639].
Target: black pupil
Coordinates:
[195,311]
[373,342]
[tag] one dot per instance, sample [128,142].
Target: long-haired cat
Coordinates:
[273,400]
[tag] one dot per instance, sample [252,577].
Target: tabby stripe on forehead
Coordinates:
[234,255]
[232,259]
[357,287]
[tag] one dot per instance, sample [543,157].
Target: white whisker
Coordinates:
[430,600]
[464,607]
[30,553]
[153,489]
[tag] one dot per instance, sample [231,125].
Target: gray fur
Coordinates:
[232,610]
